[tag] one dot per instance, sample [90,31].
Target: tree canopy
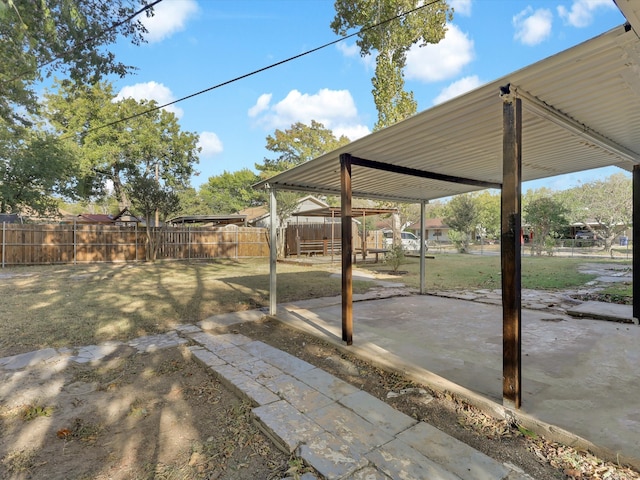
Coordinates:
[603,206]
[64,36]
[115,151]
[40,38]
[545,217]
[34,171]
[390,41]
[462,218]
[231,192]
[298,144]
[294,146]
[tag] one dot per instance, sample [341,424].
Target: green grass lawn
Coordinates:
[456,271]
[56,306]
[75,305]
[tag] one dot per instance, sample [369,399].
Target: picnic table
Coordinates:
[376,251]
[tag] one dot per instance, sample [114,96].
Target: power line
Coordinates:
[84,42]
[260,70]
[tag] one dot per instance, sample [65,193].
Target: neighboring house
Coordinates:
[435,230]
[124,218]
[579,229]
[10,218]
[260,216]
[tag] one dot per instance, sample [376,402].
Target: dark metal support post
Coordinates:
[423,248]
[510,250]
[347,242]
[636,242]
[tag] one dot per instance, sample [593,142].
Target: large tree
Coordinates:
[150,198]
[40,38]
[462,218]
[294,146]
[390,41]
[64,36]
[231,192]
[34,172]
[545,217]
[114,147]
[488,205]
[603,206]
[298,144]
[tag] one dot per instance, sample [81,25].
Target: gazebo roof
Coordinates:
[331,212]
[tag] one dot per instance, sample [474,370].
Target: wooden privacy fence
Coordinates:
[52,244]
[319,238]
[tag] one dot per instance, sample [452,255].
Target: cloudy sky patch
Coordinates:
[532,27]
[151,91]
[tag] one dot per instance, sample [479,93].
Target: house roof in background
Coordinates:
[213,219]
[331,212]
[581,110]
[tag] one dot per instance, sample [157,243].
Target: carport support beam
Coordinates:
[423,250]
[636,245]
[273,251]
[510,251]
[347,242]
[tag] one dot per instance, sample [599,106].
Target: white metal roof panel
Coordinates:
[581,110]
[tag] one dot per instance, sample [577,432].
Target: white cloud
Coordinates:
[335,109]
[351,51]
[461,7]
[169,17]
[581,12]
[435,62]
[352,132]
[532,27]
[458,87]
[348,50]
[210,144]
[151,91]
[261,105]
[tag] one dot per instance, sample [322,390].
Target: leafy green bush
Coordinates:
[395,257]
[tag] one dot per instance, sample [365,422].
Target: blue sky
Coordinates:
[196,44]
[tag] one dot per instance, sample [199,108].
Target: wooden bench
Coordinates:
[318,247]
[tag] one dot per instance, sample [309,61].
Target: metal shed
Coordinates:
[574,111]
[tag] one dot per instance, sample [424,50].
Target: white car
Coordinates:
[410,242]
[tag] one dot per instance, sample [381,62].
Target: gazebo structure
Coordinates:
[356,212]
[574,111]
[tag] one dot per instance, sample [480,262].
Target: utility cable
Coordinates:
[260,70]
[84,42]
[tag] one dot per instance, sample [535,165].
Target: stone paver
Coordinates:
[23,360]
[343,432]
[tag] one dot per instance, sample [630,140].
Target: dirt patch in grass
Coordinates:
[144,416]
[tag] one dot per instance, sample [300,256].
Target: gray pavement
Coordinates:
[580,375]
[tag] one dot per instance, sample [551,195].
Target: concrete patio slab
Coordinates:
[580,376]
[603,311]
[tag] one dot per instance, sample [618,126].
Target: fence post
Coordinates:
[136,241]
[189,242]
[237,240]
[4,241]
[75,244]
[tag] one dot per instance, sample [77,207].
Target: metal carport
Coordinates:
[574,111]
